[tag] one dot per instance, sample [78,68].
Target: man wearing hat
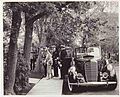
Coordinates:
[55,57]
[63,55]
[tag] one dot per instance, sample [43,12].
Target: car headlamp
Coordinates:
[80,77]
[112,73]
[109,67]
[105,75]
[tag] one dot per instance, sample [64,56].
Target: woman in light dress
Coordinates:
[49,61]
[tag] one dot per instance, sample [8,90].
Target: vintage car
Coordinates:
[90,69]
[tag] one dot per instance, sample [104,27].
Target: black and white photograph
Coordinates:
[60,47]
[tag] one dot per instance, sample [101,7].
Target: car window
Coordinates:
[80,50]
[90,50]
[95,51]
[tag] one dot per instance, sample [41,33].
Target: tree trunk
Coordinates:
[28,35]
[28,40]
[42,42]
[12,53]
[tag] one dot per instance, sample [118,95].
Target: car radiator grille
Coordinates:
[91,71]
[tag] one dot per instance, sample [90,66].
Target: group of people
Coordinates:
[53,61]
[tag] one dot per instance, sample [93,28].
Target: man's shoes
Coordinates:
[56,76]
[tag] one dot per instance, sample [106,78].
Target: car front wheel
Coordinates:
[112,87]
[69,87]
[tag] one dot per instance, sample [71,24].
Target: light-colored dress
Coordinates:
[49,62]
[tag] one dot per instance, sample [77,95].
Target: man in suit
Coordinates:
[63,55]
[55,57]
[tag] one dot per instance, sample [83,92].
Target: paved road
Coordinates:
[114,92]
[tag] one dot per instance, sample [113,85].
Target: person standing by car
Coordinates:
[55,57]
[63,55]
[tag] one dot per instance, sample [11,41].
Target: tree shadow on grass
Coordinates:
[24,92]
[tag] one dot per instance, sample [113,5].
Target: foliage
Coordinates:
[71,26]
[61,26]
[22,75]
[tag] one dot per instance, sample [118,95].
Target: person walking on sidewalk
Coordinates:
[49,62]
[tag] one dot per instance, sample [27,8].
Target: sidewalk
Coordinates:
[33,80]
[47,87]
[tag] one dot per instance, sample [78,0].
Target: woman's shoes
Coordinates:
[48,78]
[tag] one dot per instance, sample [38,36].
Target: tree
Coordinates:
[12,53]
[33,11]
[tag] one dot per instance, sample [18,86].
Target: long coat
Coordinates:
[64,67]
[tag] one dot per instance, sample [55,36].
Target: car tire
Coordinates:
[69,88]
[72,88]
[75,89]
[113,86]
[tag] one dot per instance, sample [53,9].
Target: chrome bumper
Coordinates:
[93,83]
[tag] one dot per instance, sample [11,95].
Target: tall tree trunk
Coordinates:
[27,44]
[28,35]
[42,42]
[12,53]
[28,39]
